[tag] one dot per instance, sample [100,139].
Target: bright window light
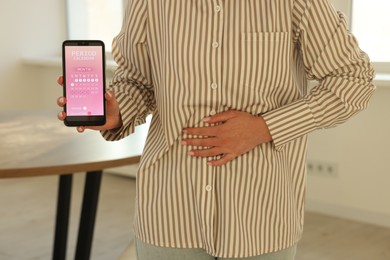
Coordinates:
[371,25]
[95,19]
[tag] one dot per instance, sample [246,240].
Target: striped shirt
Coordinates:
[183,60]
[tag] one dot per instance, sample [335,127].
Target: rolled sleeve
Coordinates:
[332,57]
[132,81]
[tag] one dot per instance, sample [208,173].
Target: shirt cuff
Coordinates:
[128,115]
[289,122]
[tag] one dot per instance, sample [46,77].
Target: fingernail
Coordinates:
[206,119]
[183,142]
[191,153]
[62,100]
[109,94]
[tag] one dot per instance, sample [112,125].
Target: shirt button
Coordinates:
[209,188]
[215,45]
[212,113]
[214,86]
[218,8]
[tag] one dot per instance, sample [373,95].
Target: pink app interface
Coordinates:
[84,81]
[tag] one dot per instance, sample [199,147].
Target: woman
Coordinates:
[222,175]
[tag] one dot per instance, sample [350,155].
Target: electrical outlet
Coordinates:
[325,169]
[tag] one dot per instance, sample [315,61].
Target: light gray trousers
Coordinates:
[150,252]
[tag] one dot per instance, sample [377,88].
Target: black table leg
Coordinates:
[88,215]
[62,218]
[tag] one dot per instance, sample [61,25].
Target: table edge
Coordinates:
[66,169]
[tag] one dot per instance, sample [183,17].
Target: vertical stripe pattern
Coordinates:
[183,60]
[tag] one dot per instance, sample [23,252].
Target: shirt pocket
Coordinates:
[265,60]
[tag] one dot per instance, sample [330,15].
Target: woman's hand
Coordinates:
[234,134]
[113,116]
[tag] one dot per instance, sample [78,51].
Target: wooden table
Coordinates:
[35,143]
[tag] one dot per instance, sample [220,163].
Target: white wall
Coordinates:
[29,28]
[360,148]
[344,6]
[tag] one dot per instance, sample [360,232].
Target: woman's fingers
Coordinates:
[61,115]
[61,101]
[60,80]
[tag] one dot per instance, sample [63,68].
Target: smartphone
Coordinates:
[84,81]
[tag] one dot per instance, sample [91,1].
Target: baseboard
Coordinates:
[374,218]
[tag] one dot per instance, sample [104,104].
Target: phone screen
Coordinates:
[84,81]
